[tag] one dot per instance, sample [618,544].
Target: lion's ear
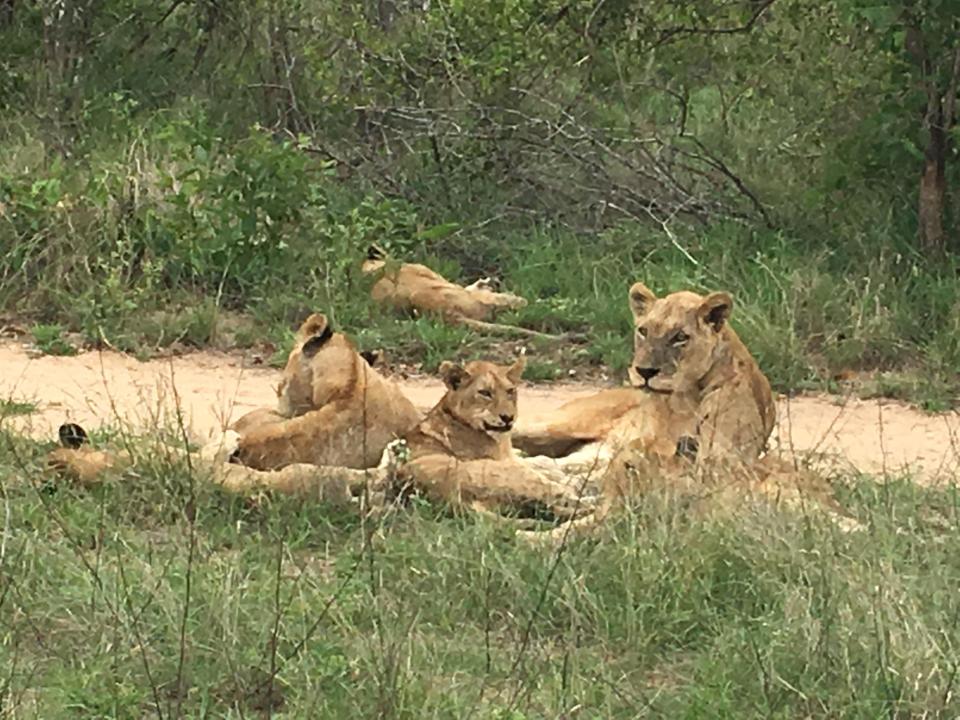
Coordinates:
[313,325]
[315,332]
[716,308]
[452,374]
[641,298]
[375,252]
[72,435]
[372,357]
[515,371]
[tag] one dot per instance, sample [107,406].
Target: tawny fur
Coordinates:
[335,408]
[708,386]
[700,412]
[461,453]
[412,287]
[88,466]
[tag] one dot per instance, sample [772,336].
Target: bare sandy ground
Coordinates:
[879,437]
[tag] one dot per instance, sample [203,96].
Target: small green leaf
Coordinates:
[437,232]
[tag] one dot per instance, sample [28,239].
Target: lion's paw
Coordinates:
[220,449]
[395,455]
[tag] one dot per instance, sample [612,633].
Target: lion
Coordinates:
[699,404]
[333,410]
[691,378]
[461,455]
[87,466]
[413,288]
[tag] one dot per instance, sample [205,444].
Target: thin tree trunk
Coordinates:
[933,184]
[938,120]
[6,12]
[386,13]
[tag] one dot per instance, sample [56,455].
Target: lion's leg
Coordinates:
[588,461]
[256,418]
[523,524]
[547,440]
[327,483]
[325,436]
[577,423]
[493,484]
[483,284]
[628,473]
[569,530]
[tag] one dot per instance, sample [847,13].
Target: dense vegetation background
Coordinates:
[167,164]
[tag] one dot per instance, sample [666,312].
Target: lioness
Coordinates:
[692,379]
[460,453]
[697,419]
[412,287]
[333,409]
[86,465]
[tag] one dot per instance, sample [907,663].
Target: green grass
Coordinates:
[155,594]
[10,407]
[49,340]
[803,317]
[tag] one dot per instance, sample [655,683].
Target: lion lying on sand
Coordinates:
[692,380]
[697,419]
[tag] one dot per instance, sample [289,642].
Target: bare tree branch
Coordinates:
[669,34]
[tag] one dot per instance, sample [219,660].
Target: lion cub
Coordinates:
[333,408]
[460,453]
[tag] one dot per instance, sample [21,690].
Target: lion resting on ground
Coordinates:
[692,380]
[460,453]
[411,287]
[88,466]
[333,410]
[700,408]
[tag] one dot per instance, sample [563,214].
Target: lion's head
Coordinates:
[678,339]
[322,365]
[483,395]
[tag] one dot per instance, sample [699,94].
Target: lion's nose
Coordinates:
[647,373]
[506,419]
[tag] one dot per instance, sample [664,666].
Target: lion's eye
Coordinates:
[485,393]
[512,392]
[642,332]
[680,338]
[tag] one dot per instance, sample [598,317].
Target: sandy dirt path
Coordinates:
[880,437]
